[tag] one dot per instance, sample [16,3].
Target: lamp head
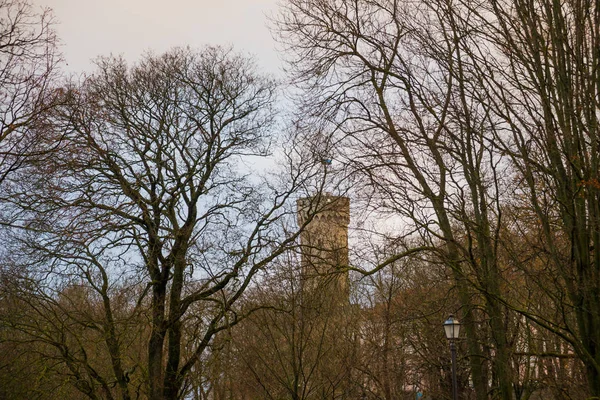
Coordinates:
[451,327]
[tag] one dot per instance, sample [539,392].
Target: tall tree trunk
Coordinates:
[156,342]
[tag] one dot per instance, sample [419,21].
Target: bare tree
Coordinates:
[391,80]
[300,345]
[457,113]
[151,184]
[402,350]
[543,85]
[28,60]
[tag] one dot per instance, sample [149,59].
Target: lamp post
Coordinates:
[452,328]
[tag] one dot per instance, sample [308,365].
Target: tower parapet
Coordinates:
[325,207]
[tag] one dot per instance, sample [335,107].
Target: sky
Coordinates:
[89,28]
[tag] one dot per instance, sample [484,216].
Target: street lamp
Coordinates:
[452,328]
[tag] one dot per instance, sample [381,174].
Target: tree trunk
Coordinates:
[156,342]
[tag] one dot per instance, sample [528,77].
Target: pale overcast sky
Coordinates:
[88,28]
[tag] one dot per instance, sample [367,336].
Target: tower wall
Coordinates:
[325,243]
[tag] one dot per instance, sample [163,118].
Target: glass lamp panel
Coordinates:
[451,328]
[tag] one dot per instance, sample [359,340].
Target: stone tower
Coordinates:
[325,244]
